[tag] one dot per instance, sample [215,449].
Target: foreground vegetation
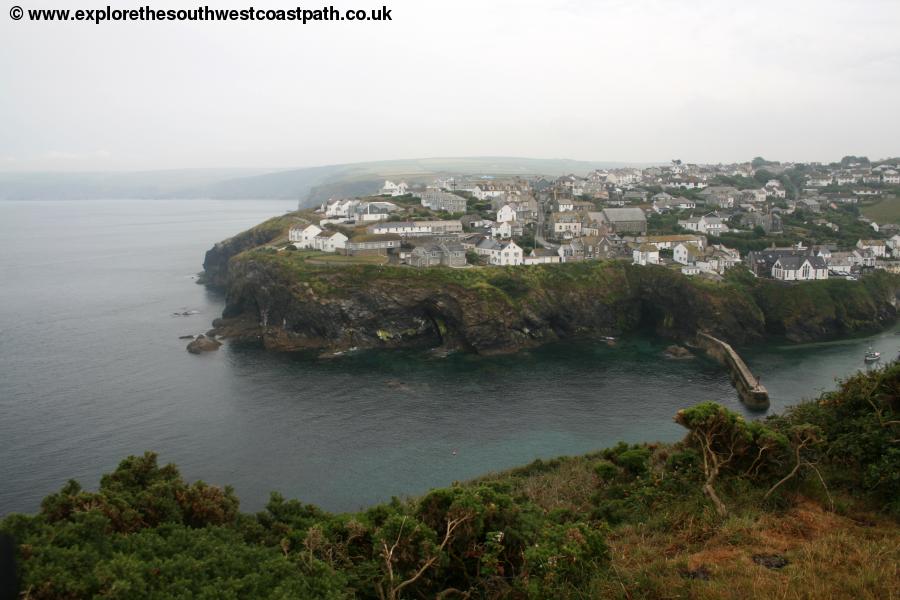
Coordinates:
[803,505]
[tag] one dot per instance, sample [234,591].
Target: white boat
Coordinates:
[872,356]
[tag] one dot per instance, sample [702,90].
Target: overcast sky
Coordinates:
[631,80]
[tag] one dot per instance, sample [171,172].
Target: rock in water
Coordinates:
[678,352]
[203,344]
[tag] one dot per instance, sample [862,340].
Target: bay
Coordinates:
[92,370]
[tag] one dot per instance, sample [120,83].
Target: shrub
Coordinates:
[606,471]
[634,461]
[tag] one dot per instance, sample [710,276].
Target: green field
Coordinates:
[885,210]
[340,259]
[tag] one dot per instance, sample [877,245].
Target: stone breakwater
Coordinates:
[750,390]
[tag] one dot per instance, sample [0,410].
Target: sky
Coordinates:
[606,80]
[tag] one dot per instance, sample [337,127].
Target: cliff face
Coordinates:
[215,263]
[826,309]
[288,304]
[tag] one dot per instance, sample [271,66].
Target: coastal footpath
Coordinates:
[290,301]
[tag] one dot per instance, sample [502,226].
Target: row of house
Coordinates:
[440,201]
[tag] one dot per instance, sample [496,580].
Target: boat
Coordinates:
[872,356]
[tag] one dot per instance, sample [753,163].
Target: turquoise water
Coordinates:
[91,370]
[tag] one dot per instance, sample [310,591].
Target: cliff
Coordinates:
[292,301]
[291,304]
[287,302]
[215,263]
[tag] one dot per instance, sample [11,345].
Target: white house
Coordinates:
[774,189]
[565,204]
[507,254]
[566,225]
[665,242]
[302,237]
[486,192]
[863,258]
[894,243]
[339,208]
[394,189]
[800,268]
[718,259]
[663,202]
[841,262]
[416,228]
[541,256]
[330,242]
[645,254]
[711,224]
[759,195]
[819,180]
[506,213]
[374,211]
[845,178]
[878,247]
[316,238]
[506,229]
[686,254]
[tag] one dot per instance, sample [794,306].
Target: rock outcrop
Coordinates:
[201,344]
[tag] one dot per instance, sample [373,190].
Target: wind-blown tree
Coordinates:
[802,437]
[728,443]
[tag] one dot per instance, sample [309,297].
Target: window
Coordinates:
[805,271]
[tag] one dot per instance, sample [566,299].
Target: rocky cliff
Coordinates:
[288,302]
[215,263]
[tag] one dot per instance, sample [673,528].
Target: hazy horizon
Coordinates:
[643,81]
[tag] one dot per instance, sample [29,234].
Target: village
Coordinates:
[785,221]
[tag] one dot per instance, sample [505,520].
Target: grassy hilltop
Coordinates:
[803,505]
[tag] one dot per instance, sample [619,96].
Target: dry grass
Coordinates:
[569,486]
[830,556]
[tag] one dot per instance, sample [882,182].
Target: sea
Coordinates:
[94,296]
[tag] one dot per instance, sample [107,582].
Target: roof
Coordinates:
[794,262]
[488,244]
[624,214]
[673,238]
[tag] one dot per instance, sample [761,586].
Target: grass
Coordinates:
[340,259]
[686,551]
[884,210]
[829,556]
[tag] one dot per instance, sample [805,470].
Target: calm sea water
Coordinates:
[92,370]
